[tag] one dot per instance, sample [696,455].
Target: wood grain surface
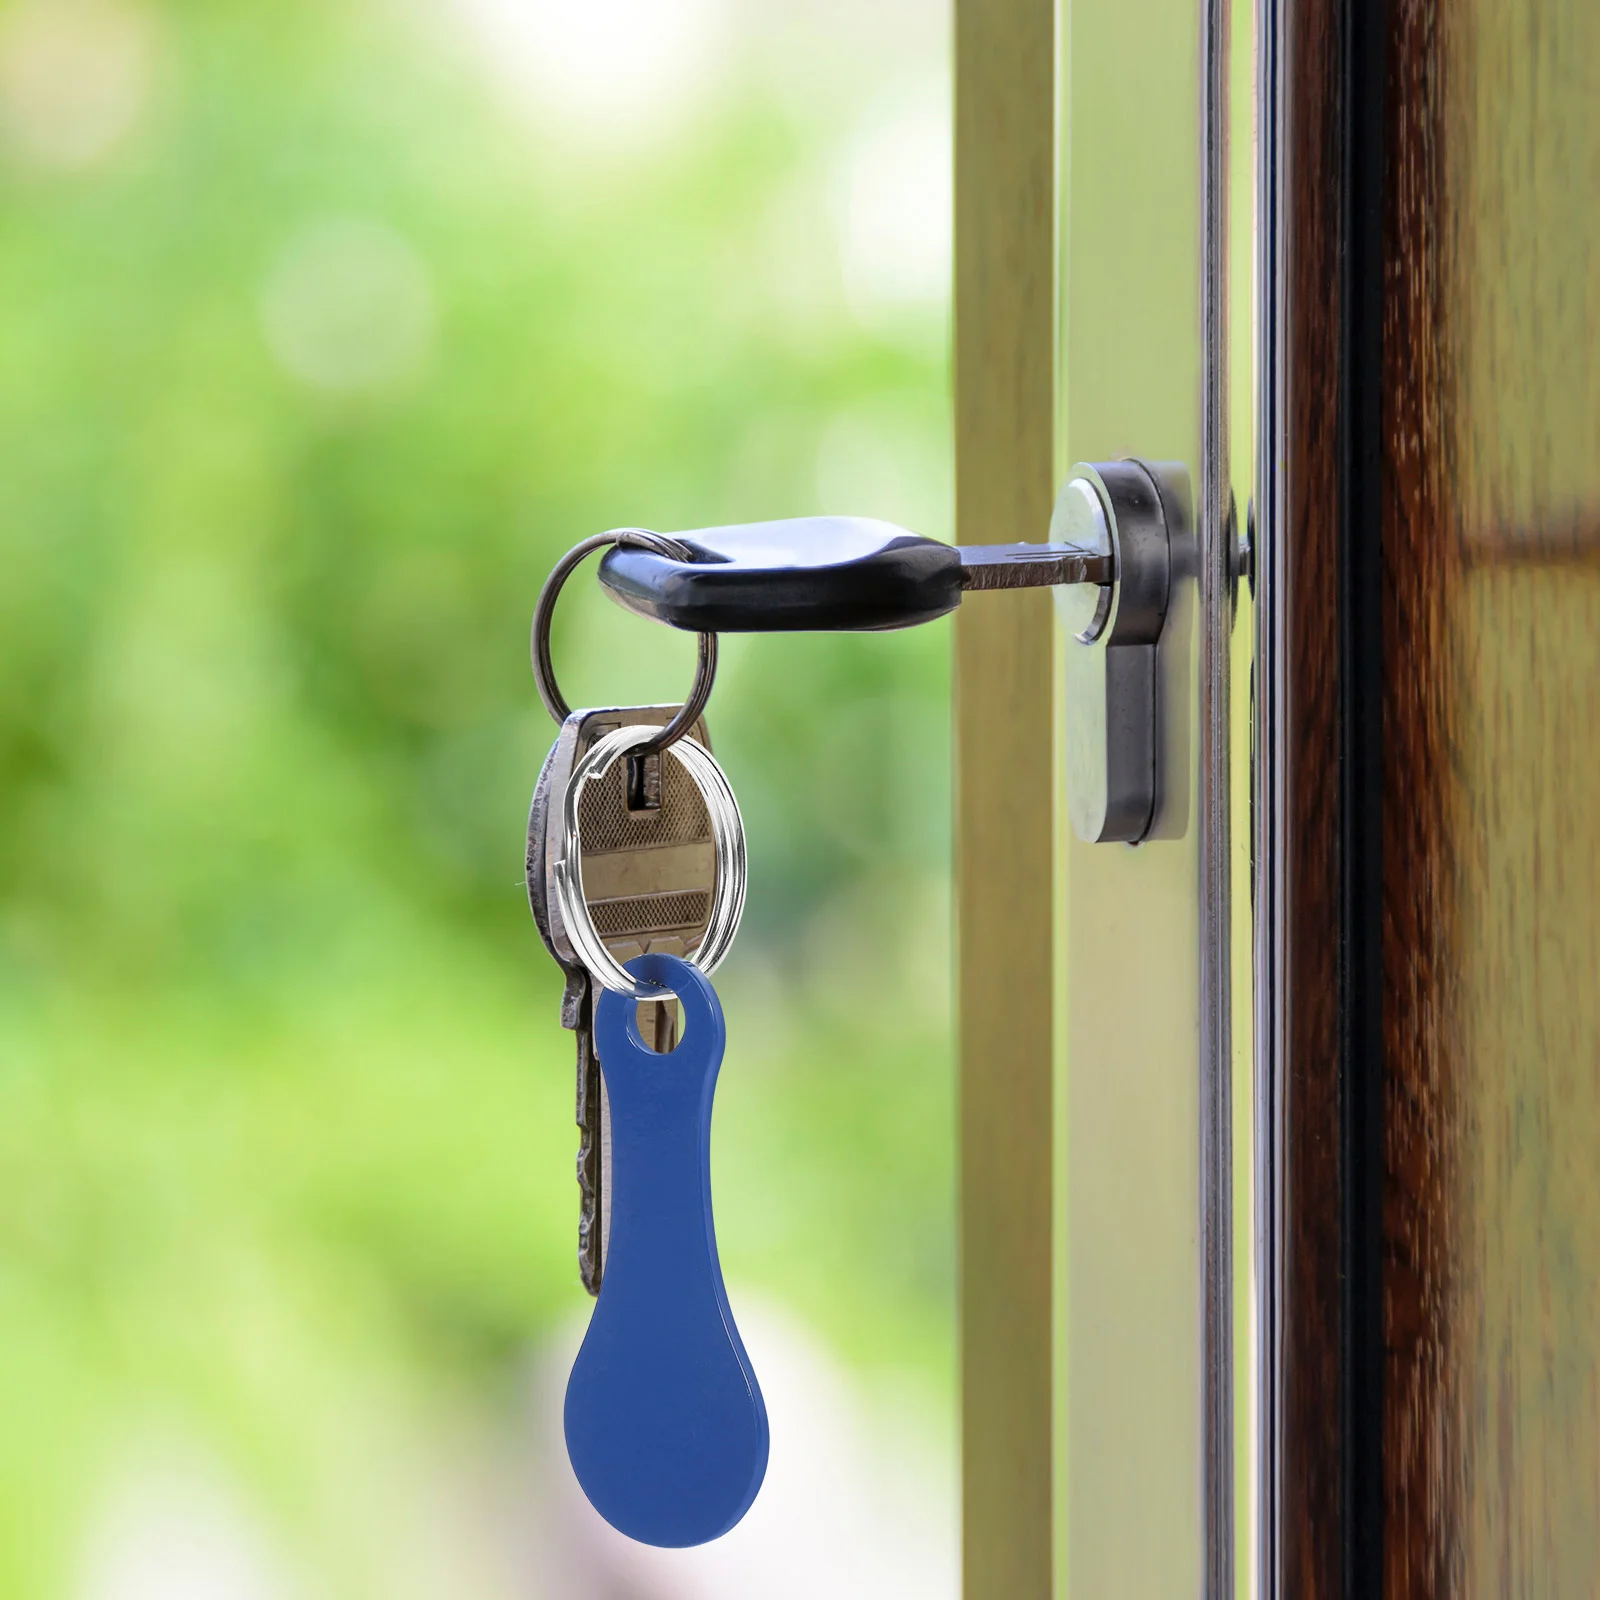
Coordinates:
[1483,1475]
[1492,801]
[1005,789]
[1299,900]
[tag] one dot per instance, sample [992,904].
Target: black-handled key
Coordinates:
[829,573]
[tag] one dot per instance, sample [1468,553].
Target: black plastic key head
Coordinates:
[800,575]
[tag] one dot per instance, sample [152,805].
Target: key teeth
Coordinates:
[588,1167]
[573,998]
[590,1241]
[588,1217]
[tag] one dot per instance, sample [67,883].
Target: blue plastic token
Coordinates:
[665,1424]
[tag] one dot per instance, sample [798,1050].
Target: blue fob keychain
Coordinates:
[665,1424]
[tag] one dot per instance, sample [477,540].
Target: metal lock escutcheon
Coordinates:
[1137,513]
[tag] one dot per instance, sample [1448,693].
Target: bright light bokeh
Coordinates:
[895,207]
[75,77]
[347,305]
[607,73]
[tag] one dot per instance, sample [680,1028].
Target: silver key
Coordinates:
[649,870]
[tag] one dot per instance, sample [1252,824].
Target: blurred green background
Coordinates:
[324,328]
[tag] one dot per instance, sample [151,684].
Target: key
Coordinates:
[649,869]
[664,1421]
[577,1016]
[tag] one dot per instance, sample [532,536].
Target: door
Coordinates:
[1281,1227]
[1430,834]
[1105,1065]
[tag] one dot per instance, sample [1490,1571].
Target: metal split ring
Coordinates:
[727,835]
[544,672]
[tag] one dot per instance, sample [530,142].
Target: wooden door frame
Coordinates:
[1008,67]
[1005,789]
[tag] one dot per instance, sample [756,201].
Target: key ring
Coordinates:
[727,834]
[544,672]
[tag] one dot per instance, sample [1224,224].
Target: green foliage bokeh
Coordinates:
[285,1112]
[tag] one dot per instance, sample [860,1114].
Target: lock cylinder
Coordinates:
[1127,510]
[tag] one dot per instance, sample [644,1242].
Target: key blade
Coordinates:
[1032,566]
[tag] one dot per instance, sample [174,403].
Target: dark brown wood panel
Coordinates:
[1299,895]
[1492,800]
[1422,574]
[1466,1459]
